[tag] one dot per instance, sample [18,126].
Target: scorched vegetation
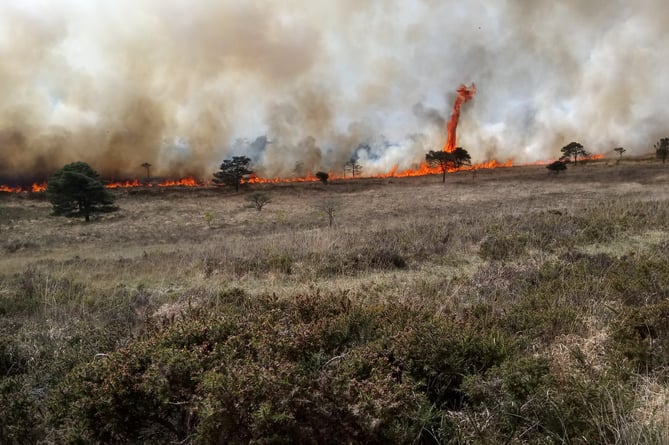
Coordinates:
[520,308]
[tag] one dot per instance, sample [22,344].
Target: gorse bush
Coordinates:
[305,371]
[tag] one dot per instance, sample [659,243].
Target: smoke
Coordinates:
[183,85]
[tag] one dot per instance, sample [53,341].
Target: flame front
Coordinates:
[465,94]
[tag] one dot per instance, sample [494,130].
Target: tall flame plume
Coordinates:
[465,94]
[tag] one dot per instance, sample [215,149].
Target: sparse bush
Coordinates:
[503,247]
[282,263]
[258,200]
[208,218]
[329,207]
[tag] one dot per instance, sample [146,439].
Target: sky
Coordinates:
[304,86]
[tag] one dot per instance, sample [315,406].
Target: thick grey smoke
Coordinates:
[183,85]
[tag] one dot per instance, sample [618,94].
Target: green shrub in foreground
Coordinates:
[309,371]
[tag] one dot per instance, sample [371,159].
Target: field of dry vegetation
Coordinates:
[515,307]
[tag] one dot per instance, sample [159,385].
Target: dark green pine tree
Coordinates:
[232,171]
[76,190]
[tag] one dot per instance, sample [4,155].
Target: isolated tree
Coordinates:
[662,149]
[462,157]
[76,190]
[147,166]
[329,207]
[232,171]
[353,167]
[443,160]
[323,177]
[557,167]
[575,150]
[258,200]
[620,151]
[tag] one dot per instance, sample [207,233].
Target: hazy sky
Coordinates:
[185,84]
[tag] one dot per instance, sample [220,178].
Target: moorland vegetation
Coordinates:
[517,307]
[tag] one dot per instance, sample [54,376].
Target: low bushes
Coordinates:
[312,370]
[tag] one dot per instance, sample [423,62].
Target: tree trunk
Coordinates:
[443,176]
[87,217]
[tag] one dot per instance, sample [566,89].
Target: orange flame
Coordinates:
[465,94]
[8,189]
[183,182]
[124,184]
[422,170]
[36,188]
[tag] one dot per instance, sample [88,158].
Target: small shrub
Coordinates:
[438,355]
[282,263]
[641,336]
[258,200]
[208,218]
[502,247]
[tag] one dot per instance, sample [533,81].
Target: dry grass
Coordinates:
[415,241]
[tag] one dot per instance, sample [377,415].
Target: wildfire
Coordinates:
[183,182]
[465,94]
[124,184]
[422,170]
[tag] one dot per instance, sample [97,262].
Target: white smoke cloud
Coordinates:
[117,83]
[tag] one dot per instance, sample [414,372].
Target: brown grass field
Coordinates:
[571,268]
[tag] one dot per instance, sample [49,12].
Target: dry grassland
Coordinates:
[506,239]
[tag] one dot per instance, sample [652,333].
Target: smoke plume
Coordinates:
[305,86]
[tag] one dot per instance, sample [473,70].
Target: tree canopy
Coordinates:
[462,157]
[575,150]
[232,171]
[441,159]
[620,151]
[662,149]
[76,190]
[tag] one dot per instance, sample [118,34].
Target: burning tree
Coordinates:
[232,171]
[573,149]
[662,149]
[443,160]
[76,190]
